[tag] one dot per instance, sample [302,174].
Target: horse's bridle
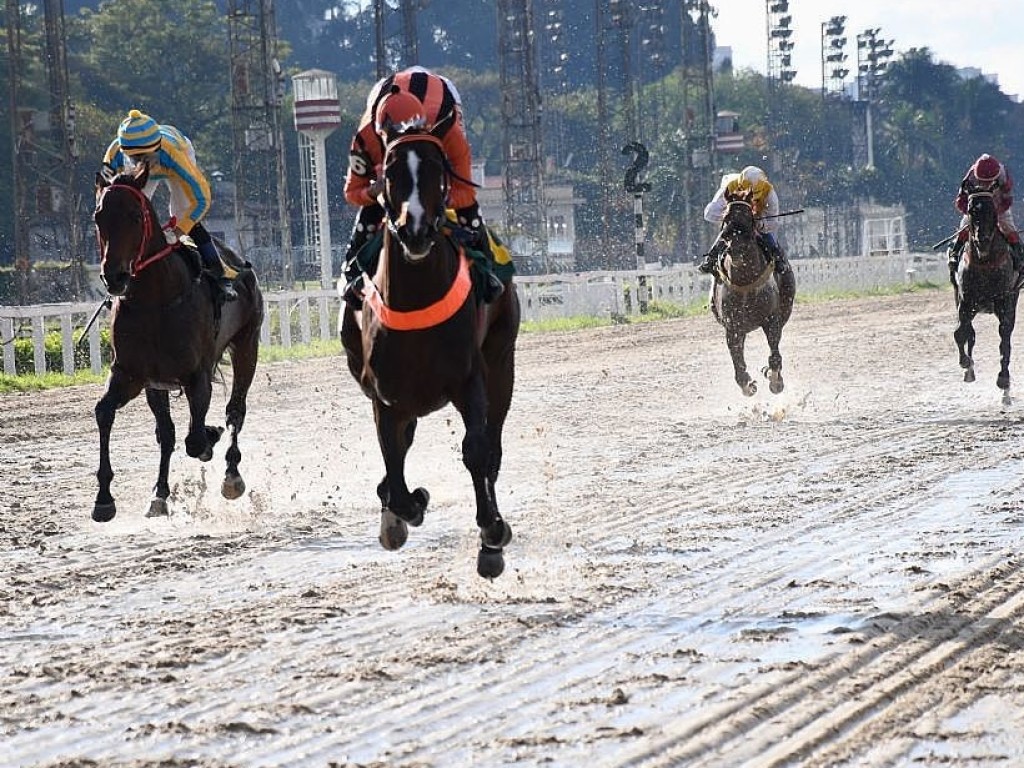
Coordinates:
[397,219]
[972,231]
[139,261]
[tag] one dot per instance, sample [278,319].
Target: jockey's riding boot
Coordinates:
[212,262]
[710,263]
[493,288]
[776,254]
[476,237]
[953,258]
[353,291]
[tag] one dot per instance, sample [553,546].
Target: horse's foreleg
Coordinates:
[1007,320]
[201,439]
[160,405]
[243,366]
[773,333]
[964,336]
[735,341]
[399,506]
[476,456]
[119,391]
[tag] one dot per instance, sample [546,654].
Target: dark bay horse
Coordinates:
[167,334]
[748,294]
[985,282]
[423,341]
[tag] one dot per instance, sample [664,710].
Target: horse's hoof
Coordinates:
[233,487]
[157,508]
[104,513]
[496,539]
[749,389]
[490,563]
[213,434]
[421,497]
[393,530]
[969,375]
[776,385]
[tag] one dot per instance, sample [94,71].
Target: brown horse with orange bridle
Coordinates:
[423,340]
[167,333]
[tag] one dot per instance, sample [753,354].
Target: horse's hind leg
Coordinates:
[119,391]
[399,507]
[160,404]
[243,365]
[735,340]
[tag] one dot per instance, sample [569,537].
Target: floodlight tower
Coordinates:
[317,116]
[833,56]
[873,57]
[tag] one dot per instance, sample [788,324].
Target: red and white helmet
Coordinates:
[987,168]
[399,112]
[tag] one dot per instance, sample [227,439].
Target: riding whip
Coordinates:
[105,304]
[780,215]
[947,239]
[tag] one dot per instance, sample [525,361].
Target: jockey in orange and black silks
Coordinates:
[765,204]
[416,99]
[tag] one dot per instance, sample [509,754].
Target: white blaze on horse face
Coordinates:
[413,213]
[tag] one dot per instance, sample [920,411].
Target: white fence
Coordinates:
[299,317]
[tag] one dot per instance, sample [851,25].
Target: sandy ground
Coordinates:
[830,576]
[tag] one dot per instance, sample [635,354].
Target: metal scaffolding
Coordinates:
[257,92]
[525,221]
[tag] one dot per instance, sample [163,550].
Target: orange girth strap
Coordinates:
[420,319]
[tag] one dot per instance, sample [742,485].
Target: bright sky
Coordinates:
[987,34]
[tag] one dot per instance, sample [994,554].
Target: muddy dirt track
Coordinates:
[830,576]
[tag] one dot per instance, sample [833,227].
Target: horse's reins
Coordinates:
[140,261]
[761,280]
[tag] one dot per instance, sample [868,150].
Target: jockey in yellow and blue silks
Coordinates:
[172,161]
[765,204]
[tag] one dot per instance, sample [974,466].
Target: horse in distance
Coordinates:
[748,294]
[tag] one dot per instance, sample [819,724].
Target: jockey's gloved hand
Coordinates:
[471,219]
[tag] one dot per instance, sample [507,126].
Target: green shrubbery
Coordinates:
[24,355]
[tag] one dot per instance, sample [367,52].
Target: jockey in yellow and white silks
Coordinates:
[172,161]
[765,203]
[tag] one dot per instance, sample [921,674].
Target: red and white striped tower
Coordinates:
[317,115]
